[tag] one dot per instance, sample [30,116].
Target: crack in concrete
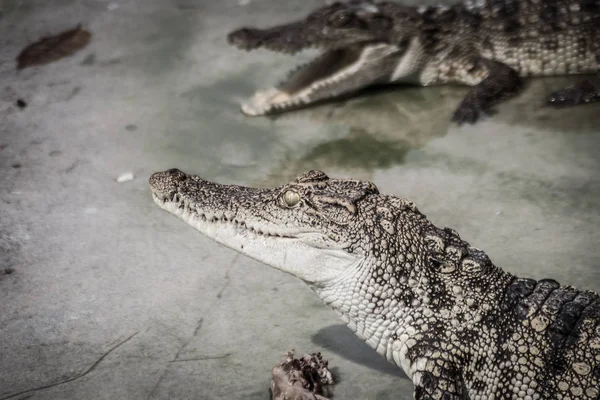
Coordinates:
[162,375]
[219,295]
[176,358]
[75,377]
[198,326]
[73,165]
[202,358]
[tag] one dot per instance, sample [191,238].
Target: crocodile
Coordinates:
[489,45]
[422,297]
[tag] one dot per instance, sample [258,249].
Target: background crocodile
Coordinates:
[488,44]
[421,296]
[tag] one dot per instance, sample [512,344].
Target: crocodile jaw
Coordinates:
[306,254]
[335,73]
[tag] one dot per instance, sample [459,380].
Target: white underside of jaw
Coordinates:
[409,67]
[265,101]
[376,329]
[306,255]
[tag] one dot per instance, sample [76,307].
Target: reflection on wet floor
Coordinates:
[373,130]
[384,124]
[381,127]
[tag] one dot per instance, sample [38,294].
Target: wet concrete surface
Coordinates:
[104,296]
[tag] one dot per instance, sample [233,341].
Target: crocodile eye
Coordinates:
[340,19]
[291,198]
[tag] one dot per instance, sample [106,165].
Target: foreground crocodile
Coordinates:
[460,327]
[488,44]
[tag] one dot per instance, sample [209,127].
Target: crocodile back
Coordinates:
[553,332]
[539,37]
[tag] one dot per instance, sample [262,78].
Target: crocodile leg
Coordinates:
[500,83]
[587,91]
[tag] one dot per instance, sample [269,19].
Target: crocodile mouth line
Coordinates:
[176,205]
[330,75]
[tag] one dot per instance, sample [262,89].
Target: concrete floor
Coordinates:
[104,296]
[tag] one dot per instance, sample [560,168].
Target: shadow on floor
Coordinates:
[343,342]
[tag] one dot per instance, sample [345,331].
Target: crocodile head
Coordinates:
[314,227]
[375,259]
[357,52]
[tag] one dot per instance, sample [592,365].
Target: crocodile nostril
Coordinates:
[177,174]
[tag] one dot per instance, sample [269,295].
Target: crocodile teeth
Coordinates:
[185,211]
[327,76]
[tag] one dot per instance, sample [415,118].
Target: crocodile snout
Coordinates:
[164,184]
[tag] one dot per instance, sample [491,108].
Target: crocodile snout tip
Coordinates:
[165,182]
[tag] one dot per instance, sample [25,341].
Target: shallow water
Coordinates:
[94,261]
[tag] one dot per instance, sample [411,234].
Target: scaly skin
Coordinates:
[459,327]
[487,44]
